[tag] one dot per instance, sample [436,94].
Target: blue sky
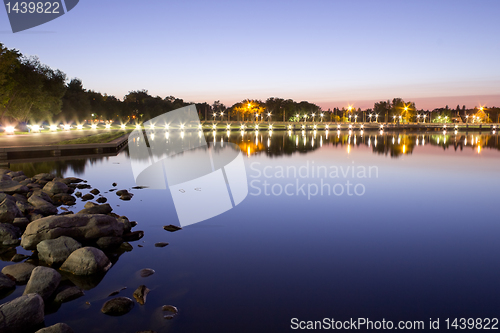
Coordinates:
[328,52]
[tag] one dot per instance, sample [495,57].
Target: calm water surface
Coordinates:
[416,239]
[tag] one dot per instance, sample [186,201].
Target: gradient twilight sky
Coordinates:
[327,52]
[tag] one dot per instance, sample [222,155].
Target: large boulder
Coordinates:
[20,272]
[96,209]
[42,206]
[43,281]
[23,314]
[11,187]
[81,227]
[9,234]
[57,328]
[56,251]
[86,261]
[54,187]
[8,211]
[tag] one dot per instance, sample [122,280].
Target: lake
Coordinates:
[392,226]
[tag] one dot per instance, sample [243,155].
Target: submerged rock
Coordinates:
[43,281]
[20,272]
[86,261]
[19,257]
[81,227]
[118,306]
[57,328]
[140,294]
[161,244]
[145,272]
[56,251]
[169,311]
[22,314]
[67,293]
[109,242]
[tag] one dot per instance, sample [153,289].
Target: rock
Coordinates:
[43,281]
[145,272]
[9,234]
[126,197]
[141,187]
[97,209]
[56,251]
[19,179]
[95,191]
[114,184]
[86,261]
[19,257]
[67,293]
[6,283]
[42,206]
[19,197]
[63,199]
[23,314]
[117,306]
[171,228]
[57,328]
[25,207]
[101,200]
[33,216]
[8,211]
[71,180]
[83,186]
[133,236]
[21,222]
[20,272]
[78,194]
[11,187]
[54,187]
[81,227]
[87,196]
[40,193]
[44,176]
[126,247]
[161,244]
[126,223]
[109,242]
[169,311]
[15,173]
[121,192]
[6,253]
[140,294]
[133,223]
[116,292]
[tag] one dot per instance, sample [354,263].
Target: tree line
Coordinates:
[33,92]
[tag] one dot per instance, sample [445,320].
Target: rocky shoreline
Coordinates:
[71,252]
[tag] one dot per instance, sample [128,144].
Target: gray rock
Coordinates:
[86,261]
[109,242]
[19,257]
[78,194]
[95,191]
[126,223]
[43,176]
[42,206]
[9,234]
[42,194]
[56,251]
[117,306]
[57,328]
[25,207]
[54,187]
[8,211]
[23,314]
[6,283]
[63,199]
[11,187]
[81,227]
[121,192]
[19,178]
[19,197]
[68,293]
[97,209]
[21,222]
[87,196]
[43,281]
[20,272]
[15,173]
[101,200]
[126,197]
[71,180]
[90,204]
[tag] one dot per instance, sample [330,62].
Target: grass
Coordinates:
[98,138]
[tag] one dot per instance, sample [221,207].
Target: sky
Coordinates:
[332,53]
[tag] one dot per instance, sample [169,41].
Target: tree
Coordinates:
[9,64]
[76,103]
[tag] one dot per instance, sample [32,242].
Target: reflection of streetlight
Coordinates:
[79,127]
[313,116]
[356,118]
[394,117]
[10,130]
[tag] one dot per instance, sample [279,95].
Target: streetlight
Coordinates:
[321,115]
[370,116]
[376,118]
[425,116]
[355,118]
[313,114]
